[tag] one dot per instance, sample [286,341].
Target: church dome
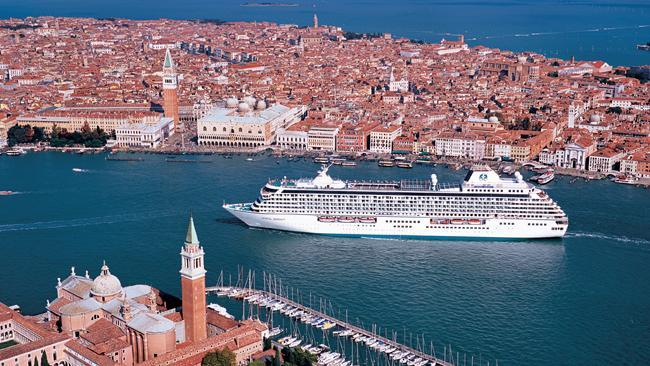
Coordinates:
[250,101]
[105,284]
[231,102]
[243,107]
[493,119]
[594,119]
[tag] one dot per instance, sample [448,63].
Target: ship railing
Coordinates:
[415,185]
[447,186]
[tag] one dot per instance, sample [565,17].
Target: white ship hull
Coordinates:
[393,226]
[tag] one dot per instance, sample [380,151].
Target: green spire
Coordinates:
[168,60]
[191,237]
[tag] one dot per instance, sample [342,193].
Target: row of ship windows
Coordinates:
[402,198]
[548,211]
[506,223]
[556,228]
[536,224]
[497,190]
[419,208]
[401,203]
[445,213]
[458,227]
[392,203]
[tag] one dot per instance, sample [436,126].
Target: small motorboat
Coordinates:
[626,179]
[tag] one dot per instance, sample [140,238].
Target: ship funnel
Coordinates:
[434,180]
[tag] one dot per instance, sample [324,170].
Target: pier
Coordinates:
[410,355]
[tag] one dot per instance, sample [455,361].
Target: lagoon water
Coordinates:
[576,301]
[589,30]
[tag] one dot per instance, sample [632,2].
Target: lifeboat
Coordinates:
[475,222]
[457,221]
[346,220]
[367,220]
[327,219]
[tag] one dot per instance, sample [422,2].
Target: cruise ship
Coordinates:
[483,205]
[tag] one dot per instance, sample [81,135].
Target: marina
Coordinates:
[396,353]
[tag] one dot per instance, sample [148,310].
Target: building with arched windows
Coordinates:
[248,125]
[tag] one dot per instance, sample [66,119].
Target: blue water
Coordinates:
[576,301]
[588,30]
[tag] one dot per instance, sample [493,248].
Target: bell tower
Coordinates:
[170,86]
[193,286]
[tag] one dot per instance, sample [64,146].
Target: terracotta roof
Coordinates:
[220,321]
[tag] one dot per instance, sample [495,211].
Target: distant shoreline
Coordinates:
[251,5]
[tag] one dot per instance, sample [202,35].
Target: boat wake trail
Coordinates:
[620,239]
[103,220]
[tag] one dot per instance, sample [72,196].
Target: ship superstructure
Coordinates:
[483,205]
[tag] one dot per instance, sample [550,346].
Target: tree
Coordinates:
[224,357]
[44,361]
[257,363]
[277,360]
[297,357]
[617,110]
[267,343]
[35,361]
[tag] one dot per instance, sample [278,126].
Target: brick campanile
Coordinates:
[170,92]
[193,286]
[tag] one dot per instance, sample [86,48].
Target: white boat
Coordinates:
[221,310]
[295,343]
[626,179]
[546,177]
[14,152]
[79,170]
[483,195]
